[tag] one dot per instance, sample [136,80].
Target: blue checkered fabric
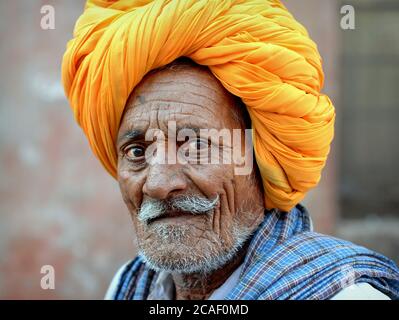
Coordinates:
[286,260]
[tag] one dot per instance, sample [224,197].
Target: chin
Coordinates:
[181,249]
[180,258]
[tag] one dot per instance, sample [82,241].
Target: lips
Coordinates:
[173,216]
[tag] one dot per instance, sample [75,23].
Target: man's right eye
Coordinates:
[134,152]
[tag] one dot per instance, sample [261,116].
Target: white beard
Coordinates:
[171,252]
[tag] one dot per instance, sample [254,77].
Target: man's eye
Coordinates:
[134,152]
[198,144]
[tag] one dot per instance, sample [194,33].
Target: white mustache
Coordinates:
[152,208]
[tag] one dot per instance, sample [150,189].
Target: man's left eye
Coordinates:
[198,144]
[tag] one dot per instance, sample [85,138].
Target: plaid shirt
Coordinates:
[286,260]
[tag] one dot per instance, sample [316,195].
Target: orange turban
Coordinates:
[254,47]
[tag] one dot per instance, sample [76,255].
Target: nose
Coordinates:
[164,180]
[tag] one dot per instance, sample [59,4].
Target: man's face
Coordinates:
[189,216]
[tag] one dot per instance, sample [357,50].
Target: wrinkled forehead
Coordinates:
[185,93]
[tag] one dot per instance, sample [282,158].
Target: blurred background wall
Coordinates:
[59,207]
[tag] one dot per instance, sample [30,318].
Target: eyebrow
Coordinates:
[195,129]
[134,134]
[137,134]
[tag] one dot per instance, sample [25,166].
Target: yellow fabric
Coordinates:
[254,47]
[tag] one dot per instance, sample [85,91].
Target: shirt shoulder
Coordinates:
[360,291]
[109,295]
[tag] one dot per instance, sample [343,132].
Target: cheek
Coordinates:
[250,200]
[131,186]
[211,179]
[219,180]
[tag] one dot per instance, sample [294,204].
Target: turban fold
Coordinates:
[255,48]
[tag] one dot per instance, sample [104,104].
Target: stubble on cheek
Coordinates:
[224,215]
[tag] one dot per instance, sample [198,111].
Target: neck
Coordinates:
[199,286]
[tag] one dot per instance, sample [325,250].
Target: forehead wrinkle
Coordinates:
[173,94]
[164,105]
[155,91]
[205,79]
[182,114]
[217,95]
[182,89]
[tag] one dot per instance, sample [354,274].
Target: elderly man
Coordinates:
[161,88]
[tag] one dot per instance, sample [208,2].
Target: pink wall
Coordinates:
[58,206]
